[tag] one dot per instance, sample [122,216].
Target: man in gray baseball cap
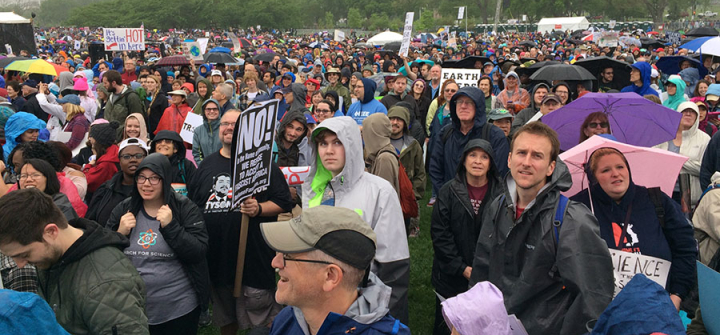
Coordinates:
[323,257]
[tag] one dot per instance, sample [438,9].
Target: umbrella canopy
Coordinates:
[562,72]
[671,64]
[362,45]
[393,46]
[627,41]
[391,54]
[702,31]
[633,119]
[526,43]
[218,57]
[596,65]
[535,67]
[318,44]
[709,45]
[173,61]
[385,38]
[6,61]
[650,167]
[651,43]
[244,43]
[266,57]
[469,62]
[39,66]
[220,49]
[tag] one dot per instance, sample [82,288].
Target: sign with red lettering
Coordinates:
[295,175]
[558,26]
[124,39]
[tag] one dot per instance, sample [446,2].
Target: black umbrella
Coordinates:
[562,72]
[469,62]
[6,61]
[651,43]
[393,46]
[530,44]
[219,57]
[362,45]
[529,71]
[596,65]
[702,31]
[391,54]
[244,43]
[266,57]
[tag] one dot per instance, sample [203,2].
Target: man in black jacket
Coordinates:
[32,106]
[211,189]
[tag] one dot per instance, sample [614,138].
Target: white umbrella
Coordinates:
[385,37]
[704,45]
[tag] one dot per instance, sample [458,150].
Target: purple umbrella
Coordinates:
[633,119]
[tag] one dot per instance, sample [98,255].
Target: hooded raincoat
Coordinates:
[411,153]
[381,159]
[645,71]
[181,168]
[185,234]
[206,138]
[367,105]
[15,126]
[373,198]
[673,101]
[445,155]
[526,114]
[291,156]
[519,256]
[705,220]
[368,315]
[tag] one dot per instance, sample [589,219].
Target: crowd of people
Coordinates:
[124,226]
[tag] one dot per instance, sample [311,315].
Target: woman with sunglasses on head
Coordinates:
[595,124]
[168,243]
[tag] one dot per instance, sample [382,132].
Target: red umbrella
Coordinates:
[653,33]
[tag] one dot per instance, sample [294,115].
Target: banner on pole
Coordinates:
[339,35]
[461,13]
[407,34]
[124,39]
[252,150]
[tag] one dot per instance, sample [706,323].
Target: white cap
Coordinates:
[133,141]
[654,73]
[216,73]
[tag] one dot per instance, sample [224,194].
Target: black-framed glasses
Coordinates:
[326,111]
[127,157]
[154,180]
[286,259]
[598,124]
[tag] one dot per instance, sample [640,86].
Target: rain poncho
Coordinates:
[673,101]
[645,71]
[15,126]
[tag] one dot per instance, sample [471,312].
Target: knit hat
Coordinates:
[81,84]
[105,133]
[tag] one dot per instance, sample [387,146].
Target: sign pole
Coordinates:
[240,267]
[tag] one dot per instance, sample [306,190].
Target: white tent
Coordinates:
[385,38]
[549,24]
[10,17]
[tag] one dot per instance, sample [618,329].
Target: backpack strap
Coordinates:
[560,210]
[656,197]
[708,189]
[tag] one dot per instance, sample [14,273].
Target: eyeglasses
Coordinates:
[154,180]
[464,102]
[449,90]
[127,157]
[32,176]
[227,124]
[286,258]
[598,124]
[212,109]
[325,111]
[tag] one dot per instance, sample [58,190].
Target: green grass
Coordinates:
[421,295]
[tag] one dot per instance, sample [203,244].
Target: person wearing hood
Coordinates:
[640,79]
[333,77]
[629,221]
[104,165]
[689,142]
[562,89]
[457,219]
[171,145]
[366,104]
[513,98]
[172,260]
[675,92]
[26,313]
[408,148]
[381,158]
[211,189]
[20,127]
[467,111]
[112,192]
[297,101]
[690,76]
[135,127]
[334,244]
[291,132]
[174,116]
[337,177]
[87,98]
[205,138]
[93,287]
[538,94]
[554,281]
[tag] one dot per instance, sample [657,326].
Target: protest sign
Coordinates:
[339,35]
[463,77]
[709,292]
[295,175]
[192,50]
[461,13]
[235,41]
[8,48]
[612,24]
[203,44]
[606,38]
[407,34]
[77,45]
[192,121]
[673,38]
[628,265]
[124,39]
[252,150]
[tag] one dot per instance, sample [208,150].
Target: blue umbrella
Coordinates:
[671,64]
[695,44]
[633,119]
[220,49]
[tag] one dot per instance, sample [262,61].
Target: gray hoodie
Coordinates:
[374,199]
